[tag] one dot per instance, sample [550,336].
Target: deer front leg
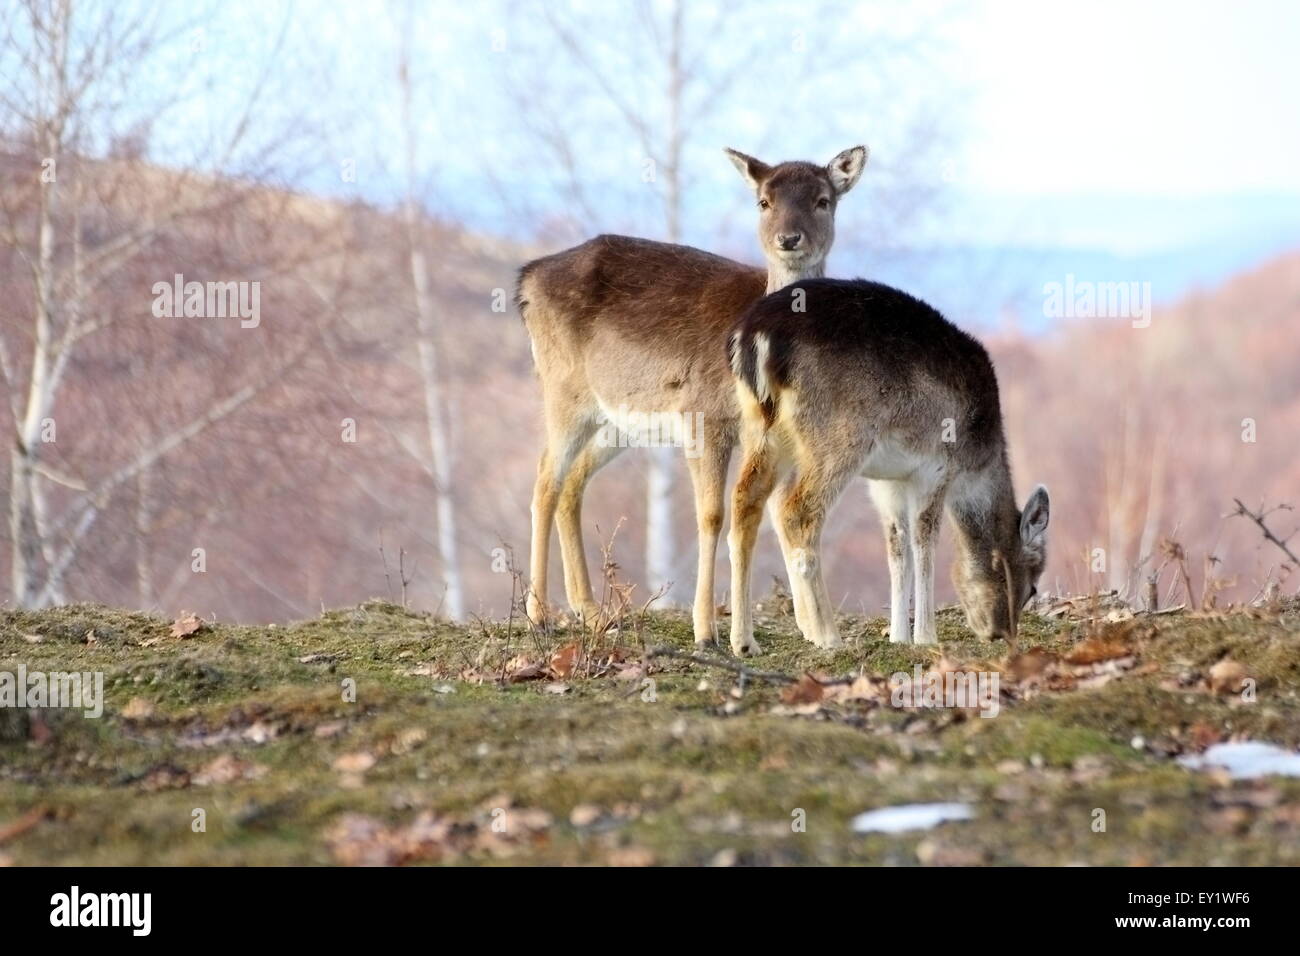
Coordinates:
[709,477]
[890,498]
[925,533]
[753,486]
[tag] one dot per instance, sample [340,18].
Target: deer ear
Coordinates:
[1033,520]
[754,170]
[845,168]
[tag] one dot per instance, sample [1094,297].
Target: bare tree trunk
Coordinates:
[143,523]
[1121,491]
[426,345]
[22,533]
[25,508]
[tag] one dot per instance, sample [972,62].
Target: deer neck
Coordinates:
[780,274]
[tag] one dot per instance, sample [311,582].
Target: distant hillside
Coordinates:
[1136,431]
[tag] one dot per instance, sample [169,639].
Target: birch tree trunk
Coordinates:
[440,465]
[26,502]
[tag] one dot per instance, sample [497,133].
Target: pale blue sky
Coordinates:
[1133,96]
[1113,96]
[1145,130]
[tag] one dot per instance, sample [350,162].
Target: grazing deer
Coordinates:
[628,324]
[837,379]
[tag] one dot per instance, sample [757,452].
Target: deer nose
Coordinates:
[789,242]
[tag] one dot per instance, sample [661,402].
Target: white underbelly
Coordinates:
[651,427]
[888,461]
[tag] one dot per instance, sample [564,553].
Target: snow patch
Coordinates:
[911,816]
[1246,760]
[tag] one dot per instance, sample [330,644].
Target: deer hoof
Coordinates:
[536,610]
[589,615]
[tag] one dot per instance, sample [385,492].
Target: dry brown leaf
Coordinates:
[930,852]
[522,668]
[1227,677]
[260,732]
[358,762]
[862,688]
[1096,649]
[1031,664]
[807,690]
[228,769]
[585,814]
[138,708]
[565,660]
[408,740]
[632,856]
[26,822]
[165,777]
[1061,682]
[329,729]
[187,625]
[358,840]
[1204,735]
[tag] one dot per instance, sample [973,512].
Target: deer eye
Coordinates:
[823,203]
[764,204]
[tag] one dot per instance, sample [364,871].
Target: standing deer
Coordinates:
[628,324]
[837,379]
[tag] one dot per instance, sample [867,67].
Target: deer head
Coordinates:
[996,581]
[796,202]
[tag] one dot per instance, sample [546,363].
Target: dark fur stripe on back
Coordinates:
[894,334]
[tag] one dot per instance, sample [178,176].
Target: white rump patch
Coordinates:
[762,349]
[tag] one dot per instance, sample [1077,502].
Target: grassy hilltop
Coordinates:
[489,744]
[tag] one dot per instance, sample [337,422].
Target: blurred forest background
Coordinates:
[381,170]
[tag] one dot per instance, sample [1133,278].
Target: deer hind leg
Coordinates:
[568,519]
[891,500]
[754,485]
[802,515]
[926,507]
[797,595]
[565,441]
[709,478]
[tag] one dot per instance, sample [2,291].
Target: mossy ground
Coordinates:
[696,775]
